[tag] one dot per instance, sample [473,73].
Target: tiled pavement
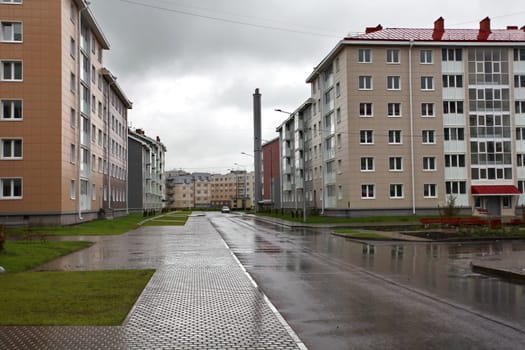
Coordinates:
[199,297]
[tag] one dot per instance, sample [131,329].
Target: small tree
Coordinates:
[2,238]
[450,208]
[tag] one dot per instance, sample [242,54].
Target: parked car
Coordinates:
[225,209]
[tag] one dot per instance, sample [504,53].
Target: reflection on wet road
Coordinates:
[341,294]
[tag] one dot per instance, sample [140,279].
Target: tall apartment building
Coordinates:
[404,119]
[63,117]
[235,189]
[187,190]
[146,165]
[271,173]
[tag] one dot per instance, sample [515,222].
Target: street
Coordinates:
[340,294]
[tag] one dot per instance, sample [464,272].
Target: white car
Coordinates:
[225,209]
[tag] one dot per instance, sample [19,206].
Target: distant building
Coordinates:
[271,173]
[63,117]
[235,189]
[187,190]
[146,161]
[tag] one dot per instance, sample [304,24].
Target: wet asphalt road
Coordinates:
[339,294]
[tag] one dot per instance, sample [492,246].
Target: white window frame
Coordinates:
[455,187]
[72,189]
[12,187]
[430,191]
[396,191]
[453,104]
[365,82]
[395,137]
[393,82]
[13,64]
[519,54]
[454,134]
[11,105]
[428,137]
[366,137]
[426,57]
[13,34]
[453,81]
[455,160]
[429,164]
[367,164]
[11,2]
[395,163]
[11,144]
[393,109]
[368,191]
[366,109]
[364,55]
[428,110]
[427,83]
[393,56]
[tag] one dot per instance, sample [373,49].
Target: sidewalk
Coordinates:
[199,298]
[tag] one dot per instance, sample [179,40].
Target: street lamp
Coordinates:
[304,170]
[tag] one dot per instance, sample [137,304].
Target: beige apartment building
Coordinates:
[401,120]
[63,122]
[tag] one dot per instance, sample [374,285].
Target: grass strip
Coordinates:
[19,256]
[171,219]
[317,219]
[88,298]
[359,234]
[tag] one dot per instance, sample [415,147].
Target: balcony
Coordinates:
[287,186]
[330,178]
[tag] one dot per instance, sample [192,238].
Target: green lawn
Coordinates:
[176,218]
[24,255]
[317,219]
[359,234]
[92,298]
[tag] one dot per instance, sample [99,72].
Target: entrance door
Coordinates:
[493,205]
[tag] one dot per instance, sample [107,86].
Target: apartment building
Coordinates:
[402,120]
[63,117]
[146,165]
[271,174]
[187,190]
[235,189]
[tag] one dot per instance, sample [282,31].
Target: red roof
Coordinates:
[494,190]
[405,34]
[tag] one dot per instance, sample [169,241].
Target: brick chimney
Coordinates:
[523,28]
[439,29]
[484,29]
[373,29]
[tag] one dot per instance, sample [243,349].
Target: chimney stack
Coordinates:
[373,29]
[439,29]
[484,29]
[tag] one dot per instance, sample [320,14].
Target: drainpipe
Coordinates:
[411,103]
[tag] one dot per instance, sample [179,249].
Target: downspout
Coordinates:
[411,106]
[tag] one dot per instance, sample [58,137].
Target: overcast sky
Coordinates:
[191,66]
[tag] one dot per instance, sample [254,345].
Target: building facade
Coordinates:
[57,101]
[187,190]
[271,174]
[235,189]
[146,164]
[405,120]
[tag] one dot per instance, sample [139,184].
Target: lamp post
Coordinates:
[304,170]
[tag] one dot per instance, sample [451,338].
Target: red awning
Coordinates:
[495,190]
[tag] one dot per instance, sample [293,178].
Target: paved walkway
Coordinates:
[200,297]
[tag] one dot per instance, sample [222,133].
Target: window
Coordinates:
[10,188]
[425,56]
[367,164]
[11,148]
[430,190]
[364,55]
[367,136]
[338,115]
[11,110]
[455,187]
[392,56]
[11,70]
[72,189]
[365,110]
[336,64]
[519,54]
[394,137]
[454,134]
[11,31]
[72,154]
[453,107]
[10,1]
[451,55]
[365,82]
[506,202]
[452,81]
[337,89]
[367,191]
[454,160]
[520,106]
[395,163]
[520,159]
[520,134]
[72,83]
[393,82]
[396,191]
[427,83]
[427,109]
[394,109]
[429,163]
[93,192]
[519,81]
[429,136]
[72,48]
